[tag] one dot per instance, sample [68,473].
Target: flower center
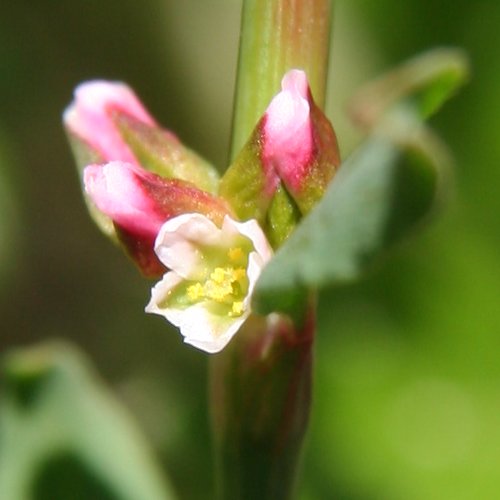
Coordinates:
[225,285]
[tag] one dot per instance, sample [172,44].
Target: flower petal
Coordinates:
[204,330]
[253,232]
[214,300]
[161,291]
[176,243]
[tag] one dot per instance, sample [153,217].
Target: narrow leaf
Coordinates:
[63,435]
[425,81]
[380,194]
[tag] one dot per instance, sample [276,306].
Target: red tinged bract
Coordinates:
[139,202]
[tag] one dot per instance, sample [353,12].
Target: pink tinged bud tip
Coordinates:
[119,190]
[139,202]
[89,117]
[288,141]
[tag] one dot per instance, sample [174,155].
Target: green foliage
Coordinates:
[432,314]
[424,83]
[62,434]
[382,191]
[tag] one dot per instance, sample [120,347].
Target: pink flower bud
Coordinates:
[139,202]
[90,117]
[299,144]
[120,190]
[286,165]
[288,142]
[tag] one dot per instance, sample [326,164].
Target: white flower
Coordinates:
[213,271]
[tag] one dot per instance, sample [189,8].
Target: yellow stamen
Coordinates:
[235,254]
[218,275]
[217,291]
[238,274]
[224,285]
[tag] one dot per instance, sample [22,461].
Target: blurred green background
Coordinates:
[407,382]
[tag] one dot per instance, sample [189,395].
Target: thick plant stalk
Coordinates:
[261,383]
[276,36]
[260,395]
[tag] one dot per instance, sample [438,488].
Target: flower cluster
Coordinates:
[208,237]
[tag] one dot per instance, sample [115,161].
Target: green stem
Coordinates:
[261,383]
[260,395]
[276,36]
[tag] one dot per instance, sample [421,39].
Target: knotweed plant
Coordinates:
[238,258]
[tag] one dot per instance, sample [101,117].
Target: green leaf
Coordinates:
[380,194]
[425,82]
[63,435]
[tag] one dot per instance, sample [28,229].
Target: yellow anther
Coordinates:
[235,254]
[217,291]
[223,285]
[195,291]
[237,308]
[218,275]
[239,274]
